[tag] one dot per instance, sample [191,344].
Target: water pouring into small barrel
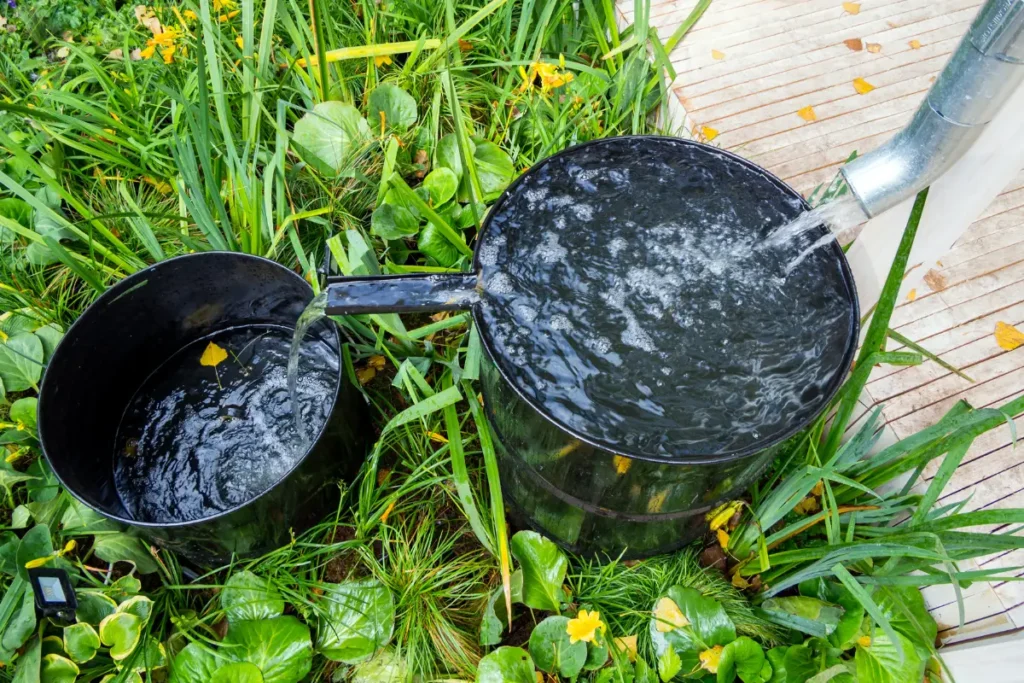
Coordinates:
[646,358]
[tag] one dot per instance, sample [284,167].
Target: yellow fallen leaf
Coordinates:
[807,113]
[818,489]
[668,617]
[539,676]
[807,506]
[915,44]
[364,375]
[723,538]
[628,645]
[384,517]
[381,60]
[622,464]
[709,133]
[739,582]
[855,44]
[721,515]
[439,438]
[852,7]
[717,54]
[1008,337]
[709,659]
[862,86]
[213,355]
[376,362]
[161,186]
[911,295]
[874,47]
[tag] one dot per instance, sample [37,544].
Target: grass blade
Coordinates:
[914,346]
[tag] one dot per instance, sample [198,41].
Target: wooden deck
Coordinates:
[743,73]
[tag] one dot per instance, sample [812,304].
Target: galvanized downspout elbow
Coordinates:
[983,72]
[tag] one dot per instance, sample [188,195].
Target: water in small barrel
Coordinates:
[624,294]
[198,440]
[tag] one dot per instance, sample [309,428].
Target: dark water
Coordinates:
[188,448]
[624,295]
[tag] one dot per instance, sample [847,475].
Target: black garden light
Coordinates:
[55,598]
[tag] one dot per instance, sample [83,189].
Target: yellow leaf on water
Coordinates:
[213,355]
[1008,337]
[622,464]
[723,538]
[709,133]
[717,54]
[852,7]
[807,113]
[915,44]
[862,86]
[911,295]
[628,645]
[874,47]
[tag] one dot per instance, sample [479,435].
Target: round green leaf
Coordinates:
[81,642]
[777,660]
[709,625]
[397,106]
[238,672]
[447,154]
[385,667]
[744,658]
[280,647]
[506,665]
[904,607]
[34,545]
[195,664]
[544,566]
[139,605]
[552,650]
[121,632]
[360,619]
[29,663]
[247,596]
[393,222]
[83,519]
[153,655]
[799,664]
[53,645]
[50,335]
[23,413]
[597,655]
[880,662]
[494,169]
[331,133]
[441,183]
[130,677]
[436,246]
[124,547]
[22,623]
[21,361]
[57,669]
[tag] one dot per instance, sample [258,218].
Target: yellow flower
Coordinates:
[240,43]
[168,54]
[709,659]
[551,76]
[230,15]
[381,60]
[668,617]
[190,15]
[584,627]
[69,546]
[219,5]
[723,538]
[864,641]
[165,42]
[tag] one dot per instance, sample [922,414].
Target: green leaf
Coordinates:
[441,183]
[280,647]
[82,519]
[124,588]
[247,596]
[777,660]
[94,607]
[360,619]
[744,658]
[21,625]
[50,335]
[18,211]
[393,222]
[669,664]
[196,664]
[597,655]
[447,154]
[21,362]
[58,669]
[806,614]
[384,667]
[397,106]
[709,625]
[81,642]
[53,645]
[121,632]
[495,618]
[494,169]
[9,542]
[506,665]
[799,664]
[848,628]
[123,547]
[152,655]
[21,515]
[331,133]
[434,245]
[29,663]
[44,488]
[553,652]
[139,605]
[544,566]
[880,662]
[23,412]
[237,672]
[8,478]
[34,544]
[904,607]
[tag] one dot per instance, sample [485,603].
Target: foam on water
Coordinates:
[660,326]
[189,446]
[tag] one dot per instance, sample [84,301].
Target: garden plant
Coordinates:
[372,137]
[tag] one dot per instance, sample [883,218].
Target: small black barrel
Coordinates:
[128,334]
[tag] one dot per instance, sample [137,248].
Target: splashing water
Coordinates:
[838,215]
[313,313]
